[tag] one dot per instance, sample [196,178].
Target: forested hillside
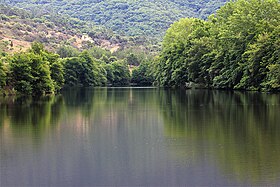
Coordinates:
[127,17]
[19,28]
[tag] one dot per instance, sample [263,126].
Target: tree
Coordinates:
[57,74]
[238,27]
[72,71]
[31,74]
[83,71]
[132,60]
[65,51]
[142,76]
[182,51]
[109,73]
[273,78]
[3,75]
[89,74]
[120,73]
[37,48]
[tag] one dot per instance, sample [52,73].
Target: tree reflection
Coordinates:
[242,127]
[238,132]
[28,116]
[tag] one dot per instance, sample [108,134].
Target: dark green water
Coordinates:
[141,137]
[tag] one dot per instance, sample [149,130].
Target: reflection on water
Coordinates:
[241,131]
[147,136]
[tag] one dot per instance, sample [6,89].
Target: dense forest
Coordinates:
[238,47]
[128,17]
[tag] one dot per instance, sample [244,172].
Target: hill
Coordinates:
[19,28]
[126,17]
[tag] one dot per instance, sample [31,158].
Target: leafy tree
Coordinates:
[57,74]
[67,51]
[83,71]
[2,75]
[121,74]
[133,60]
[142,76]
[102,75]
[98,52]
[109,73]
[21,73]
[272,82]
[31,74]
[72,71]
[37,48]
[89,74]
[183,48]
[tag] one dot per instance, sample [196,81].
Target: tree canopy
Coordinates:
[237,48]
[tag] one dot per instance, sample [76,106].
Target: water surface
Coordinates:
[141,137]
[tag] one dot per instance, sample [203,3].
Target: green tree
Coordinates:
[238,27]
[89,74]
[120,73]
[98,52]
[142,76]
[31,74]
[83,71]
[273,78]
[21,73]
[57,74]
[132,59]
[3,75]
[37,48]
[65,51]
[54,63]
[182,51]
[72,71]
[109,73]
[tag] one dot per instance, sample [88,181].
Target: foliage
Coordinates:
[133,60]
[72,71]
[57,74]
[109,73]
[83,71]
[238,48]
[121,74]
[134,18]
[98,52]
[61,33]
[35,72]
[2,75]
[117,73]
[38,71]
[141,75]
[65,51]
[182,56]
[31,74]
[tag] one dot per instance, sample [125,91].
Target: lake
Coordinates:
[141,137]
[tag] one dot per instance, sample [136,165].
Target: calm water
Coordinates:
[147,137]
